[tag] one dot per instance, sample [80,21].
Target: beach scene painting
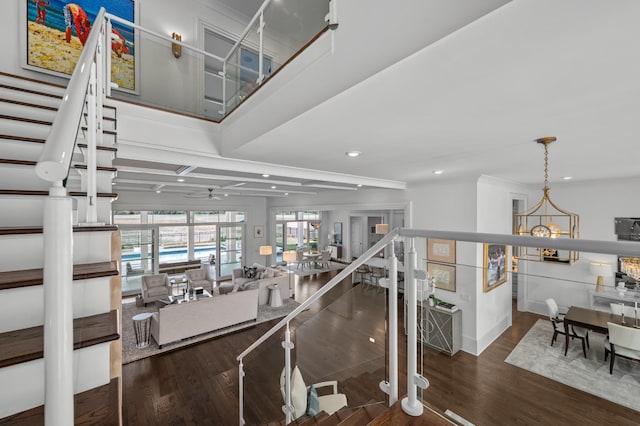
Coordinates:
[57,31]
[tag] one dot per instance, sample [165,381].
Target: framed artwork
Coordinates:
[55,32]
[443,251]
[495,263]
[444,276]
[258,231]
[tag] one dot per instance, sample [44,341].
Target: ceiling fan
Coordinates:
[210,195]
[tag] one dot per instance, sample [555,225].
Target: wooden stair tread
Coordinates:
[38,229]
[358,418]
[46,192]
[99,168]
[94,406]
[34,92]
[25,120]
[31,277]
[395,415]
[22,138]
[28,344]
[28,104]
[106,132]
[99,147]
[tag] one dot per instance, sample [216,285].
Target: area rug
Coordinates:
[534,353]
[130,353]
[310,271]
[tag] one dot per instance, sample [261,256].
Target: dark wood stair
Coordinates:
[31,277]
[92,407]
[38,229]
[42,192]
[27,344]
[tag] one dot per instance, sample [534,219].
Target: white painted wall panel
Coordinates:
[24,307]
[23,384]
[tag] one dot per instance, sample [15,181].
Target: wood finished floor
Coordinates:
[198,385]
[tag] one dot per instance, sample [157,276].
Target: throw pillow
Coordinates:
[313,403]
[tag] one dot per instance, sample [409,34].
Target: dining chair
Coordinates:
[622,341]
[557,320]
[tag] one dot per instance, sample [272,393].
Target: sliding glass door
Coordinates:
[230,245]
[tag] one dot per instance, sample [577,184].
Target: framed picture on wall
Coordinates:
[444,276]
[443,251]
[495,264]
[55,32]
[258,231]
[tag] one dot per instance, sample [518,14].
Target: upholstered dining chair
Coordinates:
[325,258]
[301,259]
[557,320]
[622,341]
[306,401]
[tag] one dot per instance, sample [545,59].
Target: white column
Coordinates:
[410,403]
[393,326]
[58,307]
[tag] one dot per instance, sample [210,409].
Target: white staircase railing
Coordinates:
[53,166]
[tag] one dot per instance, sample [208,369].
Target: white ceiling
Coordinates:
[470,103]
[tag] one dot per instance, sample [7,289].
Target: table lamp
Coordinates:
[266,251]
[601,270]
[289,256]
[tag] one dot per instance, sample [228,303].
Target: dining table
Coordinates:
[589,319]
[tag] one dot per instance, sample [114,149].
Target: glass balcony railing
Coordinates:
[342,342]
[158,71]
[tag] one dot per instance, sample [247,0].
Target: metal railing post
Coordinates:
[241,393]
[393,326]
[57,236]
[410,404]
[287,345]
[260,49]
[92,129]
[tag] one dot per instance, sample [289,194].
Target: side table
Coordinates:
[142,329]
[275,299]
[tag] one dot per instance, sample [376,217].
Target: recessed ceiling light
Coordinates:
[567,177]
[113,183]
[273,187]
[226,195]
[353,153]
[265,175]
[438,172]
[286,193]
[180,180]
[158,191]
[359,185]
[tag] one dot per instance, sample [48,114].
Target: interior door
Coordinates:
[355,239]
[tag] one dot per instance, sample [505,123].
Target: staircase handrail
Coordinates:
[326,288]
[55,159]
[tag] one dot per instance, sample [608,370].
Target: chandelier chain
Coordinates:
[546,165]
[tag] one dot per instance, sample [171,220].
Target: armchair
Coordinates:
[301,397]
[622,341]
[199,278]
[155,287]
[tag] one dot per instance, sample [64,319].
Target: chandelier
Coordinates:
[631,267]
[547,220]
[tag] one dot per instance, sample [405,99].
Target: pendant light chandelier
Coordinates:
[547,220]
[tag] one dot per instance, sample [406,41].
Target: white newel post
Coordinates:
[410,403]
[393,327]
[58,307]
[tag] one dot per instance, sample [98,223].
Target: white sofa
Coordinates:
[270,276]
[180,321]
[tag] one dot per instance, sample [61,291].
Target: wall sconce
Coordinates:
[176,49]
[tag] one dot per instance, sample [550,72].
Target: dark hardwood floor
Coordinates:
[198,385]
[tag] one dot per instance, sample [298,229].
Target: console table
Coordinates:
[440,329]
[601,301]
